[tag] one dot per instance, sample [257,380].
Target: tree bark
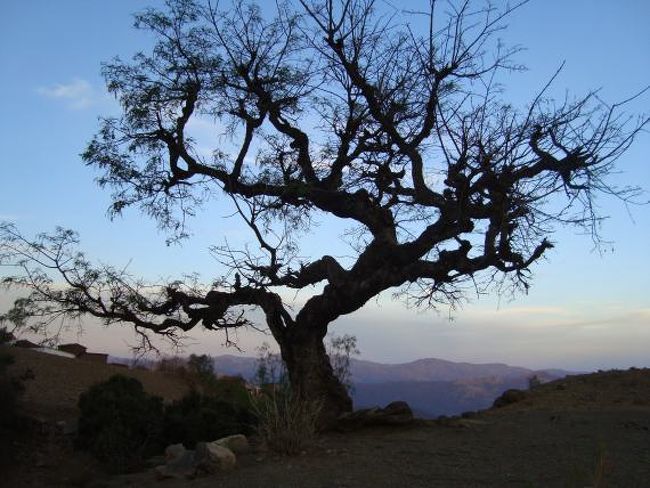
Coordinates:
[310,372]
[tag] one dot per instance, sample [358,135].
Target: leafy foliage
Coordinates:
[201,366]
[10,390]
[198,417]
[120,423]
[270,368]
[340,351]
[5,335]
[10,387]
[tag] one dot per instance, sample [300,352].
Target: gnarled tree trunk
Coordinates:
[310,373]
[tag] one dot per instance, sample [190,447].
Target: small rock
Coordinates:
[238,443]
[174,451]
[213,457]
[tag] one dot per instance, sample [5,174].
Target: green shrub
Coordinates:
[120,423]
[11,426]
[197,417]
[231,389]
[10,390]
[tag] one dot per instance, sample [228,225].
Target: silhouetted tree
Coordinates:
[337,110]
[201,365]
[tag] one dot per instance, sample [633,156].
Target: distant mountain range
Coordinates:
[432,387]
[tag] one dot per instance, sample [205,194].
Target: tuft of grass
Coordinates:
[602,469]
[286,424]
[595,478]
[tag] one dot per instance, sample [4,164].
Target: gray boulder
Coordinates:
[237,443]
[212,457]
[174,451]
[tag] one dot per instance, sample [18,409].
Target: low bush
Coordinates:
[197,417]
[120,423]
[10,425]
[231,389]
[10,389]
[509,397]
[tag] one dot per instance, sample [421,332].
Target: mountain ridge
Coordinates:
[424,369]
[431,386]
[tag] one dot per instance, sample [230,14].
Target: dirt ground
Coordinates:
[534,448]
[584,431]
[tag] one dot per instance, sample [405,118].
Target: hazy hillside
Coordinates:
[430,399]
[429,369]
[55,383]
[431,386]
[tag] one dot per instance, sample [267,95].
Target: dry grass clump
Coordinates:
[286,424]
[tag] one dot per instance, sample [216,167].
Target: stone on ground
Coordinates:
[212,457]
[237,443]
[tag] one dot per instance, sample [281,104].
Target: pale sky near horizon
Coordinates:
[586,309]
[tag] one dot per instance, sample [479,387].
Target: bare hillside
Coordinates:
[56,382]
[605,389]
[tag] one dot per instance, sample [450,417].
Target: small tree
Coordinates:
[202,368]
[270,370]
[334,111]
[5,336]
[533,382]
[340,351]
[10,426]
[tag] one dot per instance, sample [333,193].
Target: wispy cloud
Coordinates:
[78,94]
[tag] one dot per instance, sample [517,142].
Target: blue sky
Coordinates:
[586,310]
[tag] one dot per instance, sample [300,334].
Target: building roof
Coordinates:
[74,348]
[94,356]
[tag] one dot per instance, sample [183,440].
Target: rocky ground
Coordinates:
[583,431]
